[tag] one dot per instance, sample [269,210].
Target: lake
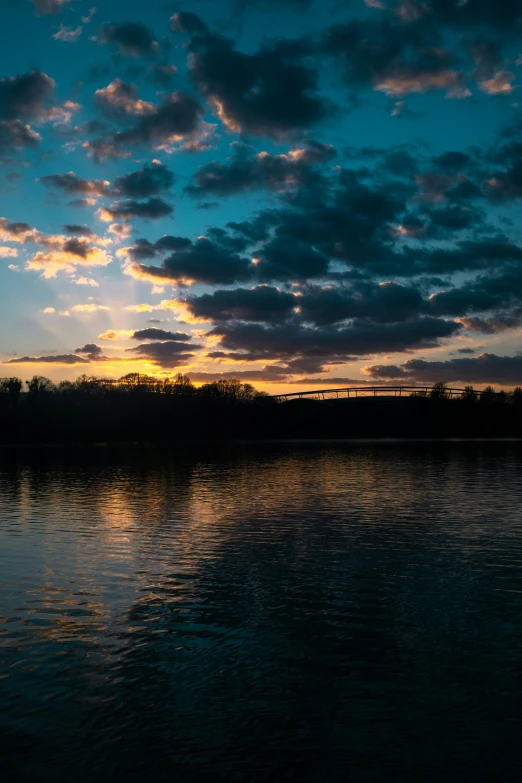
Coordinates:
[275,612]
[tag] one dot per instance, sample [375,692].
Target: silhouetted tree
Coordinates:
[10,389]
[487,395]
[183,385]
[469,394]
[516,396]
[229,389]
[438,391]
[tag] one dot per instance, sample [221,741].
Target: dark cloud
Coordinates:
[16,136]
[203,261]
[160,334]
[142,248]
[174,122]
[15,231]
[385,303]
[152,209]
[486,368]
[467,255]
[147,181]
[361,338]
[91,350]
[25,96]
[451,161]
[285,258]
[501,14]
[131,38]
[269,92]
[262,303]
[165,354]
[247,171]
[500,322]
[393,58]
[67,358]
[74,228]
[487,292]
[120,101]
[77,247]
[70,184]
[49,6]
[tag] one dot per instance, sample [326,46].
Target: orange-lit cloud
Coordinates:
[49,264]
[88,308]
[500,84]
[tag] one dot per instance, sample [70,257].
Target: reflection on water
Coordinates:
[339,612]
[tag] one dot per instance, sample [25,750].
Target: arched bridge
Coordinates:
[371,391]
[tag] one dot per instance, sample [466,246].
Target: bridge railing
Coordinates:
[373,391]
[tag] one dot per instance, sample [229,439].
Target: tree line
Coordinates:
[140,407]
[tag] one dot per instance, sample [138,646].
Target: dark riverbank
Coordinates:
[123,417]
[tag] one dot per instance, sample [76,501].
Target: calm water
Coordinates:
[313,612]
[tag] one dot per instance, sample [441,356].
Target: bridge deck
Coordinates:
[368,391]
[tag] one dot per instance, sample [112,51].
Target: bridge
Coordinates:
[372,391]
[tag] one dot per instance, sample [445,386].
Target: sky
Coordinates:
[295,193]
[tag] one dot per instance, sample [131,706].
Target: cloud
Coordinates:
[67,259]
[68,34]
[269,92]
[404,82]
[152,209]
[91,350]
[66,359]
[262,303]
[26,96]
[17,232]
[245,171]
[75,228]
[160,334]
[203,261]
[141,308]
[504,15]
[175,122]
[499,84]
[88,308]
[487,292]
[133,39]
[148,181]
[86,281]
[49,6]
[169,354]
[15,137]
[113,334]
[142,248]
[87,19]
[8,252]
[292,340]
[119,99]
[486,368]
[70,184]
[396,59]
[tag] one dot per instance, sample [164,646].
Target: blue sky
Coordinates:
[291,192]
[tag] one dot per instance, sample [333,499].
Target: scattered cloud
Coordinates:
[133,39]
[68,34]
